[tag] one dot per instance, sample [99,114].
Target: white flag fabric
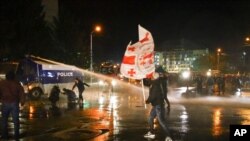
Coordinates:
[138,60]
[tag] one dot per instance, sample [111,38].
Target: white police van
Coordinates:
[39,75]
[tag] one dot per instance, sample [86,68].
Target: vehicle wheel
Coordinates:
[36,93]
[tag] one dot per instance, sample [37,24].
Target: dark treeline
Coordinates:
[23,30]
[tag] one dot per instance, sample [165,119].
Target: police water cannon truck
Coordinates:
[38,75]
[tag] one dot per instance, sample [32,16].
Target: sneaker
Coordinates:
[168,139]
[149,135]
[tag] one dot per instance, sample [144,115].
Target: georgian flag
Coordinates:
[138,60]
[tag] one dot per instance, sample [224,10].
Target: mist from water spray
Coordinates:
[177,97]
[174,95]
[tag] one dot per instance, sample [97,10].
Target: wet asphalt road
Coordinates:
[119,114]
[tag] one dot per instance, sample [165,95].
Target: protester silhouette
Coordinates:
[54,96]
[11,95]
[210,85]
[71,98]
[163,77]
[81,87]
[199,82]
[156,99]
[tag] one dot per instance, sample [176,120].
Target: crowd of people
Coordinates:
[71,96]
[12,94]
[218,84]
[12,97]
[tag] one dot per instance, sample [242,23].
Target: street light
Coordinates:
[186,75]
[97,29]
[244,58]
[209,73]
[247,42]
[247,39]
[218,58]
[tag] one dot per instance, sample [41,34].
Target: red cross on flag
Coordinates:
[138,60]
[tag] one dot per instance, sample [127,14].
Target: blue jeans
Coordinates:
[7,109]
[156,111]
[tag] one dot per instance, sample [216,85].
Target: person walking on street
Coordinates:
[81,87]
[11,95]
[156,99]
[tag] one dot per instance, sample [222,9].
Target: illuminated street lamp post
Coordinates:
[218,58]
[245,53]
[186,75]
[97,29]
[247,40]
[244,58]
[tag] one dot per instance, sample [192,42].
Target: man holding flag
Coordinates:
[138,63]
[156,99]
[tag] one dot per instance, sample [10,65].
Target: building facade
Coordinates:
[176,61]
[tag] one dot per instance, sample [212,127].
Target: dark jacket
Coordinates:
[70,94]
[11,91]
[164,84]
[54,94]
[155,93]
[80,85]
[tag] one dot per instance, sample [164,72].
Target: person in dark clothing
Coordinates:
[11,94]
[54,96]
[164,85]
[71,96]
[199,82]
[221,83]
[156,99]
[210,85]
[81,87]
[237,83]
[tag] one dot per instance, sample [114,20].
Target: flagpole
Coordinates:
[138,59]
[143,93]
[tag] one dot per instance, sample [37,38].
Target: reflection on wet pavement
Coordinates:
[121,115]
[245,115]
[217,127]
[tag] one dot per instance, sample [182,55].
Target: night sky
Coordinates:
[201,23]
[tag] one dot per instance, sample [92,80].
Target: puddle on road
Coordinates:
[76,134]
